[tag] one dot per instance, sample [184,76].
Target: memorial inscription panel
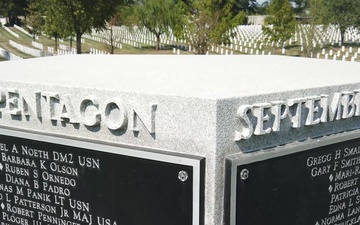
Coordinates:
[45,182]
[318,186]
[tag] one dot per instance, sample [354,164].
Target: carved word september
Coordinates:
[312,109]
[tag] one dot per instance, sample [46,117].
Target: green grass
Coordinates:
[26,41]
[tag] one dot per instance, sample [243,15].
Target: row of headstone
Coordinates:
[176,51]
[11,32]
[136,37]
[8,55]
[37,45]
[51,50]
[66,52]
[94,51]
[24,31]
[106,41]
[63,47]
[247,39]
[25,49]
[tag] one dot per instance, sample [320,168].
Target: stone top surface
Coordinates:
[209,77]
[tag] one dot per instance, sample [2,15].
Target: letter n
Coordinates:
[146,116]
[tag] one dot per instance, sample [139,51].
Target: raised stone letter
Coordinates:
[115,114]
[146,116]
[13,98]
[246,128]
[348,101]
[335,107]
[296,119]
[259,114]
[2,98]
[93,118]
[276,110]
[324,103]
[31,104]
[310,104]
[357,102]
[67,110]
[51,98]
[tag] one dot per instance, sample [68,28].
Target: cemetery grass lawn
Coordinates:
[23,37]
[126,49]
[291,50]
[4,43]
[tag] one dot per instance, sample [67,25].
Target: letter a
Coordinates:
[14,150]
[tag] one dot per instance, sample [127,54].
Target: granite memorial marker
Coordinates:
[240,140]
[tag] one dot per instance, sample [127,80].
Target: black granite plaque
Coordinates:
[49,183]
[319,186]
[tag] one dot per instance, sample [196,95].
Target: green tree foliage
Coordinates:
[261,8]
[280,23]
[248,6]
[312,25]
[344,14]
[156,16]
[35,21]
[207,22]
[125,15]
[77,16]
[300,6]
[55,25]
[11,9]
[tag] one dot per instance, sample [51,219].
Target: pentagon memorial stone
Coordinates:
[240,140]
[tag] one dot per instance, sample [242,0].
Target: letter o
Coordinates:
[115,114]
[93,119]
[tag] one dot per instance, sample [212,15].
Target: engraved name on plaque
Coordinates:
[310,186]
[51,180]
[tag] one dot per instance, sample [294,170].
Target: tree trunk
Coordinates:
[78,42]
[342,35]
[157,41]
[112,47]
[56,44]
[71,41]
